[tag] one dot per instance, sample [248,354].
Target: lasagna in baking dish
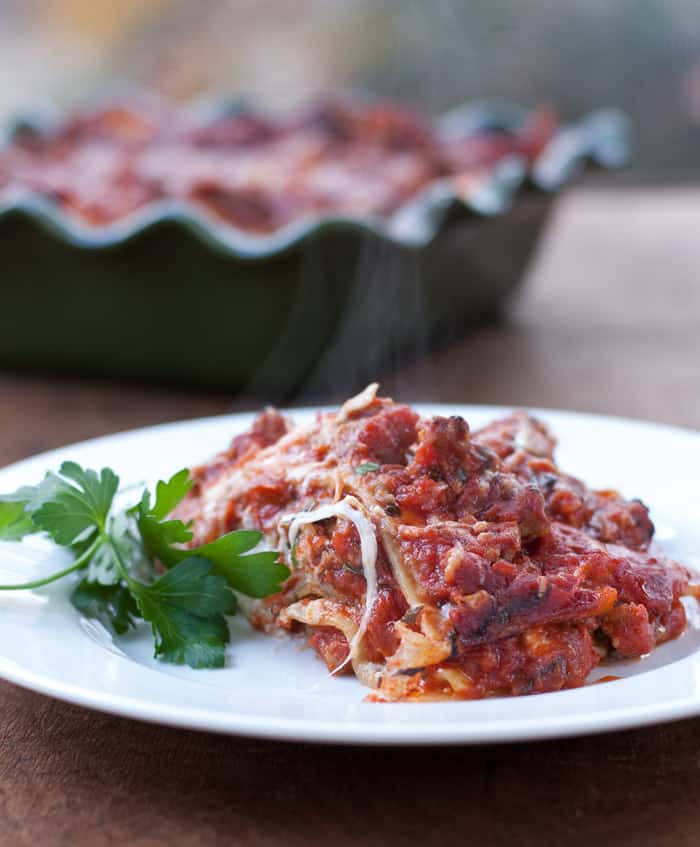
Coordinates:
[435,562]
[252,171]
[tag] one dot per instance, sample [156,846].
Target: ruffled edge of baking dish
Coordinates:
[601,139]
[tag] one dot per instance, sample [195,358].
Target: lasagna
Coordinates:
[433,562]
[252,171]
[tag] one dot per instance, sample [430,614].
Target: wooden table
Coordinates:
[608,322]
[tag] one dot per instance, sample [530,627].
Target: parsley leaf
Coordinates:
[75,512]
[159,536]
[186,609]
[113,605]
[169,494]
[16,509]
[73,508]
[33,496]
[256,575]
[366,467]
[15,523]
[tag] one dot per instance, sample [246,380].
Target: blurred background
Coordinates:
[607,309]
[641,55]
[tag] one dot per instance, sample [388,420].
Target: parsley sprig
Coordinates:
[118,552]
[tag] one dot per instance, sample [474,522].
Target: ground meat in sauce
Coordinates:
[527,449]
[529,574]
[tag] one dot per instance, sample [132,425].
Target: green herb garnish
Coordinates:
[366,467]
[118,551]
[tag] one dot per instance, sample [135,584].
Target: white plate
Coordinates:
[272,688]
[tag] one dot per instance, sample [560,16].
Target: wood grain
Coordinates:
[608,322]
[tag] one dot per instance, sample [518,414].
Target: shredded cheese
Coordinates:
[359,401]
[350,509]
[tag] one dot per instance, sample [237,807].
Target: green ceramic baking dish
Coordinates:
[167,295]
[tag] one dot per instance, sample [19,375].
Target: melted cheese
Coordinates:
[350,509]
[216,495]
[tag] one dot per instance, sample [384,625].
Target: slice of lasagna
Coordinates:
[433,562]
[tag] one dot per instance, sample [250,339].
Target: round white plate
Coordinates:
[271,687]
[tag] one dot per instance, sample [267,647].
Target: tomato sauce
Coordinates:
[494,573]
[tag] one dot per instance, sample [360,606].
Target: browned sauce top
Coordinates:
[255,172]
[496,572]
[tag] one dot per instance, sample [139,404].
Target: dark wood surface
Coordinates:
[608,322]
